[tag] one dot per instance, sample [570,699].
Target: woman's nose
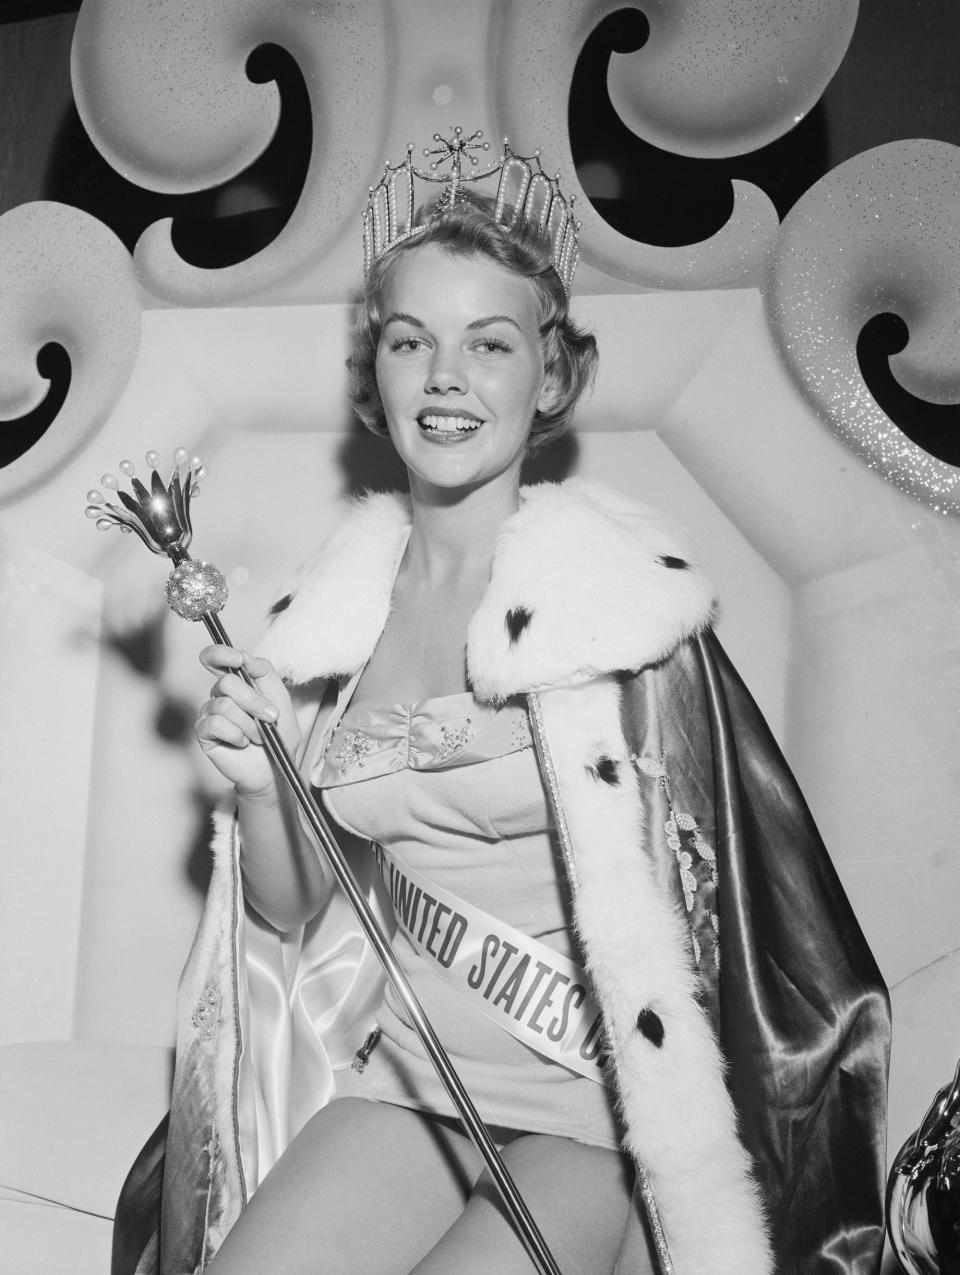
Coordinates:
[446,374]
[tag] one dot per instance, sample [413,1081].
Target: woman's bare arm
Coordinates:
[283,879]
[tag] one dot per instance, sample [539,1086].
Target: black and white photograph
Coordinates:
[479,637]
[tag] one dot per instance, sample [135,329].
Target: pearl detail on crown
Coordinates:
[524,193]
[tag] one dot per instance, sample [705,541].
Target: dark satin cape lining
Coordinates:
[803,1012]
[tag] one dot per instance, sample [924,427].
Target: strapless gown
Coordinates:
[453,788]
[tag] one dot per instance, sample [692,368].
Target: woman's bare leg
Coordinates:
[579,1197]
[364,1187]
[368,1187]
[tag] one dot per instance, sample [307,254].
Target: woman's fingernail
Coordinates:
[271,713]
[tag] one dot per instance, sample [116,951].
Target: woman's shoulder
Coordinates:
[586,502]
[326,621]
[585,582]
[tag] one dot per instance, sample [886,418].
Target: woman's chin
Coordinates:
[452,470]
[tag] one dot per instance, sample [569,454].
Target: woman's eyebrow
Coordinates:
[399,316]
[494,318]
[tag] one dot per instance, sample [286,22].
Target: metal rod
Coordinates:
[526,1227]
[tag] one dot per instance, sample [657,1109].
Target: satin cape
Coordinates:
[797,1001]
[801,1011]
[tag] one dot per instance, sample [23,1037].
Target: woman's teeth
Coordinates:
[450,424]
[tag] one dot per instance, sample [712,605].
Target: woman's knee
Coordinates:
[363,1186]
[579,1196]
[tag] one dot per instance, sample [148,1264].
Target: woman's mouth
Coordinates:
[443,427]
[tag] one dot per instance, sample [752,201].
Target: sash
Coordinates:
[540,997]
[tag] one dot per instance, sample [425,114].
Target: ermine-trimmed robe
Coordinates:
[746,1022]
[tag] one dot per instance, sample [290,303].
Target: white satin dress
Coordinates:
[452,787]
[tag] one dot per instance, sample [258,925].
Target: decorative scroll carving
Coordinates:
[66,279]
[163,91]
[877,234]
[716,77]
[724,77]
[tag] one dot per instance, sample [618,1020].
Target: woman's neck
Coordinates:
[453,534]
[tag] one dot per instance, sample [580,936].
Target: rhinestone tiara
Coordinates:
[524,193]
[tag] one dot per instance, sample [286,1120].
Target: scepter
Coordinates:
[160,516]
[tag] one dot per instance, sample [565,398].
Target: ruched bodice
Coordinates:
[433,734]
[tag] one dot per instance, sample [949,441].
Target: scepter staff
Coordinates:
[160,516]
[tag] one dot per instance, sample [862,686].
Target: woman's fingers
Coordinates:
[220,658]
[221,709]
[216,729]
[257,666]
[268,700]
[232,687]
[225,734]
[230,719]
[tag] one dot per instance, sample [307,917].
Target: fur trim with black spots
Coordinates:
[680,1120]
[339,603]
[583,582]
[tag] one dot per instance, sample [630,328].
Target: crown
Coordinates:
[525,193]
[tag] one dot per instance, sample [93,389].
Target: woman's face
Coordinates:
[459,366]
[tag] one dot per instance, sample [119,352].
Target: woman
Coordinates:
[434,642]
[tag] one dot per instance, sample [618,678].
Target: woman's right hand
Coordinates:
[227,728]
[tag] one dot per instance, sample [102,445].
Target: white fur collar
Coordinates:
[584,582]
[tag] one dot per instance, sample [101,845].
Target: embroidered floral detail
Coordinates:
[694,842]
[454,739]
[654,767]
[354,748]
[687,824]
[520,736]
[362,1055]
[704,849]
[206,1014]
[715,922]
[684,861]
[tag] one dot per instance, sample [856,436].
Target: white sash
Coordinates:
[538,996]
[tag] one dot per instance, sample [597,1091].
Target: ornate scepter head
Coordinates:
[160,515]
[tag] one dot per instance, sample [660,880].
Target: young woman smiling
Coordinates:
[515,696]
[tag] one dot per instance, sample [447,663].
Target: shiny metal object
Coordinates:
[160,516]
[196,589]
[923,1191]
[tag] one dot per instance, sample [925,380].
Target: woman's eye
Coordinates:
[404,344]
[493,345]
